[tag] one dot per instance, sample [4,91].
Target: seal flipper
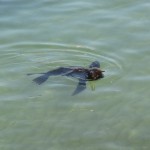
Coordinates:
[80,87]
[39,80]
[95,64]
[59,71]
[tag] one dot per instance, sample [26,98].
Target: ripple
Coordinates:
[58,54]
[70,52]
[27,57]
[53,52]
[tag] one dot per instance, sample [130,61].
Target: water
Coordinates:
[37,36]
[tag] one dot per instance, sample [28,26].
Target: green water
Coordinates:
[37,36]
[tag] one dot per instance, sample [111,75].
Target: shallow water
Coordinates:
[37,36]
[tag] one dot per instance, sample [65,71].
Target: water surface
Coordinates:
[37,36]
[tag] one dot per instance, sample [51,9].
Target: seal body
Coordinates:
[82,74]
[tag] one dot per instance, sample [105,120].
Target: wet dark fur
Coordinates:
[80,73]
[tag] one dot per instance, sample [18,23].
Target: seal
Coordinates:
[93,72]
